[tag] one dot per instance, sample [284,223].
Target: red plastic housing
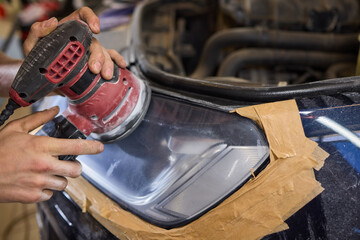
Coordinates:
[108,107]
[15,96]
[65,62]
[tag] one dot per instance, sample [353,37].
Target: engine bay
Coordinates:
[253,43]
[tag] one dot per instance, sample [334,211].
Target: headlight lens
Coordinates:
[180,162]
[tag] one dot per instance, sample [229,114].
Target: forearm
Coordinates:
[8,70]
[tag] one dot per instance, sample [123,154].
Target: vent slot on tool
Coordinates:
[65,62]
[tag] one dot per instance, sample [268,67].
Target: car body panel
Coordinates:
[329,109]
[334,213]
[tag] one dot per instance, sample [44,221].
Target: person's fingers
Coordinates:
[43,165]
[28,195]
[31,122]
[45,180]
[57,183]
[87,15]
[35,195]
[102,60]
[71,169]
[107,69]
[97,56]
[57,147]
[117,58]
[37,31]
[45,195]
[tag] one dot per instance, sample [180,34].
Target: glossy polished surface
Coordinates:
[333,122]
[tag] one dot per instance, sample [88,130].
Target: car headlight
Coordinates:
[180,162]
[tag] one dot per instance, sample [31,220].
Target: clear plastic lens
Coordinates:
[180,162]
[231,168]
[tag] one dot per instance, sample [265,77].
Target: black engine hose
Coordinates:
[240,59]
[265,38]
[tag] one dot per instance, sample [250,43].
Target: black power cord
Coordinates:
[8,111]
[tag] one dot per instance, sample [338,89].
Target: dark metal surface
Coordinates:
[62,219]
[334,214]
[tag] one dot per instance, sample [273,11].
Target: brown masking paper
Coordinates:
[257,209]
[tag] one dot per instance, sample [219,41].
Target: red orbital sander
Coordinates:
[106,109]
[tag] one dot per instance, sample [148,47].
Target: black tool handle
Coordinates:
[53,62]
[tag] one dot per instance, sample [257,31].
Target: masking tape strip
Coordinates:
[257,209]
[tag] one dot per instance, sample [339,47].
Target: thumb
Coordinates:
[37,31]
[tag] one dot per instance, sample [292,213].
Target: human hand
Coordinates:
[100,60]
[30,169]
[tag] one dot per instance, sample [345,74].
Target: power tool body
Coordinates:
[106,109]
